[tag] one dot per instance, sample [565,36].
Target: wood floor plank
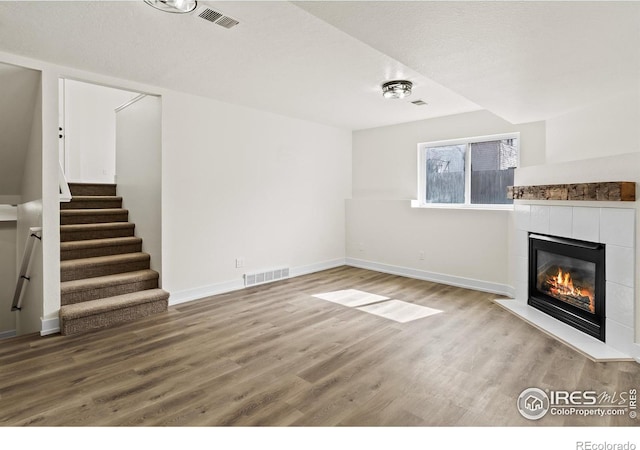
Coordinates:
[274,355]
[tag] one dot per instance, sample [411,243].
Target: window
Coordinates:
[471,172]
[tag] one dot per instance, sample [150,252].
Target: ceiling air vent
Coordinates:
[227,22]
[218,18]
[210,15]
[419,102]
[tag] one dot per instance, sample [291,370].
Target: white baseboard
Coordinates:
[510,291]
[189,295]
[468,283]
[50,326]
[7,334]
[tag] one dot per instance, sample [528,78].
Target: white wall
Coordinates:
[19,88]
[604,129]
[90,130]
[8,276]
[139,169]
[238,182]
[31,188]
[462,247]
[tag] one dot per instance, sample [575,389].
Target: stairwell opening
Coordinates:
[110,233]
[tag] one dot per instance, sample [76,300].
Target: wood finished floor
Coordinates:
[275,355]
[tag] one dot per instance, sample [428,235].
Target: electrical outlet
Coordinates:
[361,247]
[239,263]
[421,256]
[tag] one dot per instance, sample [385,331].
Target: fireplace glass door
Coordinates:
[566,281]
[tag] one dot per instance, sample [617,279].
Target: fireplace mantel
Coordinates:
[624,191]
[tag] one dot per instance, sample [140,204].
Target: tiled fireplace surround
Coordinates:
[615,227]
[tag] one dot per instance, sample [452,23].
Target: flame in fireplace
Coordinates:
[565,281]
[561,285]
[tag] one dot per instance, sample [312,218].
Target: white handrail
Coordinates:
[130,102]
[65,192]
[35,233]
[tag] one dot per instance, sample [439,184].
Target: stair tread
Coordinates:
[84,284]
[93,307]
[103,260]
[96,226]
[73,183]
[105,242]
[96,197]
[92,202]
[91,189]
[92,211]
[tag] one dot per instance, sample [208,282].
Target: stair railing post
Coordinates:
[35,233]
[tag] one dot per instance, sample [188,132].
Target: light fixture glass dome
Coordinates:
[173,6]
[396,89]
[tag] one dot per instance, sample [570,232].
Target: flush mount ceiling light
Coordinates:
[173,6]
[397,89]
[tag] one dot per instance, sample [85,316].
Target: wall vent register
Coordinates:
[268,276]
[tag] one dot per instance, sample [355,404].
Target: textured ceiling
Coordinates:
[325,61]
[280,58]
[525,61]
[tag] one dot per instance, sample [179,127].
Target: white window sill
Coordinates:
[417,204]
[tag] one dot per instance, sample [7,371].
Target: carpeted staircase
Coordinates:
[105,278]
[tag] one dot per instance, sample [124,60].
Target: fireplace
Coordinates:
[567,281]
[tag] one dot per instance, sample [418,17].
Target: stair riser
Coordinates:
[92,189]
[110,318]
[110,291]
[102,270]
[80,253]
[93,218]
[91,204]
[68,236]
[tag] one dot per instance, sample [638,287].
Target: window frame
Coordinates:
[422,171]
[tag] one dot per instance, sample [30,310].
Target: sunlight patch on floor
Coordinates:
[351,297]
[399,311]
[379,305]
